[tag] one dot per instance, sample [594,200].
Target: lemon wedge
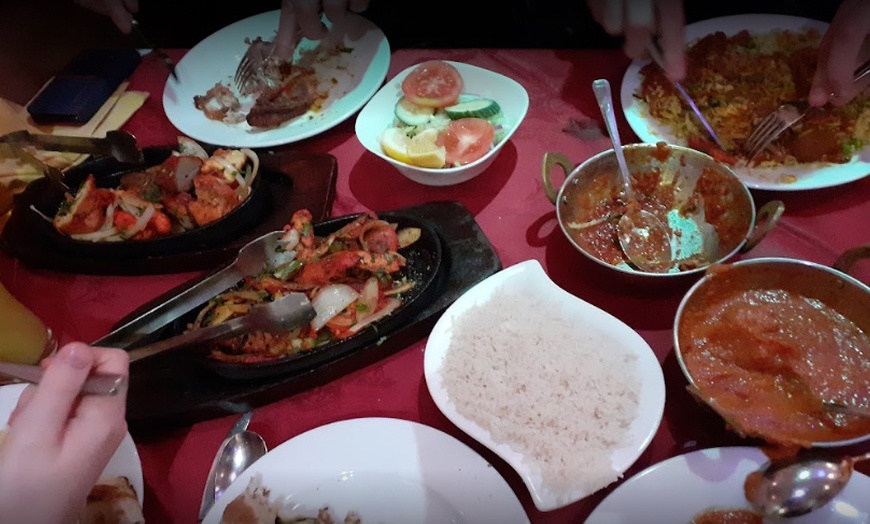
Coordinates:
[395,143]
[424,152]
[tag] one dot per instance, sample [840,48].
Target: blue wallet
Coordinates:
[78,91]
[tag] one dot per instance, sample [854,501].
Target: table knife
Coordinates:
[208,492]
[655,52]
[159,53]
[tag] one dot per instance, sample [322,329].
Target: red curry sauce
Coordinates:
[591,216]
[769,357]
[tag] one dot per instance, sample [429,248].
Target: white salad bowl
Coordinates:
[379,114]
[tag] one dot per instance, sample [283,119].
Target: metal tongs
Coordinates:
[258,255]
[119,145]
[284,314]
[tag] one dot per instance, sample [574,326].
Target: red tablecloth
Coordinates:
[509,204]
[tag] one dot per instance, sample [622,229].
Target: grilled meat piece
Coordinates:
[276,106]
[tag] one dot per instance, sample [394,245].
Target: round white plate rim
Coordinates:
[124,462]
[370,444]
[175,93]
[652,396]
[695,490]
[808,177]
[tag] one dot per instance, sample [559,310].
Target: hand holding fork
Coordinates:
[299,19]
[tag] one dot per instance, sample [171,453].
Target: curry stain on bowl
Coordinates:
[675,183]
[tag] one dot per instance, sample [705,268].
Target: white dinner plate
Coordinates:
[387,470]
[353,77]
[124,463]
[677,489]
[529,279]
[807,176]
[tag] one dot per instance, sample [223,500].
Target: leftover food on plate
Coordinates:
[519,368]
[766,359]
[738,80]
[253,506]
[352,276]
[701,211]
[436,125]
[112,501]
[727,516]
[280,91]
[189,190]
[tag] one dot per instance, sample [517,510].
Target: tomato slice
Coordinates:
[466,140]
[433,84]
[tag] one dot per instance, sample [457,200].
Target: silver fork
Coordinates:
[788,114]
[254,57]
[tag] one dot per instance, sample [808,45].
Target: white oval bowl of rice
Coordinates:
[569,424]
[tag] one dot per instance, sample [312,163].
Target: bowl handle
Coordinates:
[766,220]
[554,159]
[849,257]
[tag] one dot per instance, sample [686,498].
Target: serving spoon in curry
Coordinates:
[645,240]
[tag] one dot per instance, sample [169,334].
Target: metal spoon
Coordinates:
[791,488]
[237,453]
[211,490]
[645,240]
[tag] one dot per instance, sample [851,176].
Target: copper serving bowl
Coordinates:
[678,184]
[767,342]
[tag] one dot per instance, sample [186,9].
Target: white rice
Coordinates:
[559,391]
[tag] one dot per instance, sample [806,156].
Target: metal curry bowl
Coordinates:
[766,342]
[678,184]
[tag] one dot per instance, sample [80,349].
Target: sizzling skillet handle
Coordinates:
[551,160]
[849,257]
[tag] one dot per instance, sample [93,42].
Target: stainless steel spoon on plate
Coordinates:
[794,487]
[645,240]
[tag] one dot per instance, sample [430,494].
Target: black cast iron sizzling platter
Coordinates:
[175,389]
[423,263]
[107,173]
[292,179]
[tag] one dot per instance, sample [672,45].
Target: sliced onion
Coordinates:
[141,222]
[255,165]
[391,305]
[368,298]
[330,301]
[290,239]
[187,146]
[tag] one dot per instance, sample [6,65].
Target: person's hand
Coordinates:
[120,11]
[840,53]
[302,19]
[59,442]
[641,20]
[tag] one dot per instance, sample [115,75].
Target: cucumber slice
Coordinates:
[411,114]
[478,108]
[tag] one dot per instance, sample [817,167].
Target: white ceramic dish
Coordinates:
[357,74]
[807,176]
[677,489]
[125,462]
[378,115]
[387,470]
[529,278]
